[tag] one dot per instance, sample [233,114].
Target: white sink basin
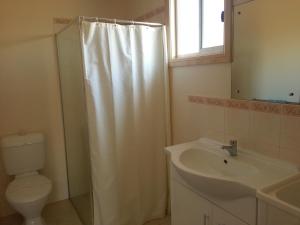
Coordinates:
[210,170]
[215,164]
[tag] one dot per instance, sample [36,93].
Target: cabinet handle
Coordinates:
[205,219]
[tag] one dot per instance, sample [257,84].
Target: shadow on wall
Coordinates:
[14,42]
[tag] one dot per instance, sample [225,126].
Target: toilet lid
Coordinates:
[28,189]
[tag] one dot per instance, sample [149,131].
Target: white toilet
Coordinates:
[23,156]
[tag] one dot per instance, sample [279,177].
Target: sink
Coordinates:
[215,164]
[206,167]
[284,194]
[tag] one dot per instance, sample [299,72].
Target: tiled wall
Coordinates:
[271,129]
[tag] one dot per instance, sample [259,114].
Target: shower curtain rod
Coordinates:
[79,19]
[116,21]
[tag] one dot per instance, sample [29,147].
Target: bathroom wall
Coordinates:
[29,88]
[29,85]
[272,132]
[267,128]
[138,7]
[205,80]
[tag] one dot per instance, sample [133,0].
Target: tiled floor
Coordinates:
[11,220]
[82,204]
[166,221]
[63,213]
[59,213]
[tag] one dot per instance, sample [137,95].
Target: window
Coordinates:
[200,31]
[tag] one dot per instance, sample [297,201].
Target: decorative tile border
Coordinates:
[233,103]
[266,107]
[291,110]
[219,102]
[216,101]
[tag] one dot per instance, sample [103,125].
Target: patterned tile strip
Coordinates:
[284,109]
[239,104]
[215,101]
[291,110]
[266,107]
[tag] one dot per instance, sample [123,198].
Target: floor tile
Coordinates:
[59,213]
[63,213]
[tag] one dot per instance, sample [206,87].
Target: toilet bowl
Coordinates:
[28,195]
[24,156]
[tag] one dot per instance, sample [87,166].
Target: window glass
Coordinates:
[188,26]
[212,25]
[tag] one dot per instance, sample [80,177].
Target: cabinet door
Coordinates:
[220,217]
[188,208]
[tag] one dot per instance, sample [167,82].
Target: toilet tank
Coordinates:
[23,153]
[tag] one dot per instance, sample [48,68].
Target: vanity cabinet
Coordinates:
[189,208]
[221,217]
[210,188]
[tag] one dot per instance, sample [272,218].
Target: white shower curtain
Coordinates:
[125,81]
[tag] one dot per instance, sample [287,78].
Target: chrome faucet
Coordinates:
[232,148]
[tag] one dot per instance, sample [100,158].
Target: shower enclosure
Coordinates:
[75,123]
[113,78]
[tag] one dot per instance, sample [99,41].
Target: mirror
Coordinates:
[266,51]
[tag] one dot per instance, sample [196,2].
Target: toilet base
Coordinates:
[34,221]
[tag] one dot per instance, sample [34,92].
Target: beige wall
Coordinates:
[274,135]
[137,7]
[29,87]
[205,80]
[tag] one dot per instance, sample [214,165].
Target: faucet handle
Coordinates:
[233,142]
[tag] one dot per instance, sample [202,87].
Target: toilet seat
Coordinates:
[28,189]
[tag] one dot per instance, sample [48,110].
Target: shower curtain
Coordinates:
[125,82]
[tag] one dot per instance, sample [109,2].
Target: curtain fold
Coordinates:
[125,82]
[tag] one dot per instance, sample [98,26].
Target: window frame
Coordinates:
[206,55]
